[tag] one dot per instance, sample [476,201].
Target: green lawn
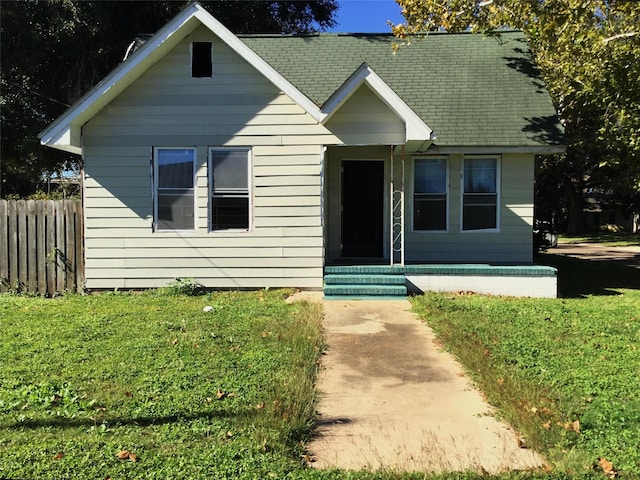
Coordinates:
[223,394]
[230,393]
[564,371]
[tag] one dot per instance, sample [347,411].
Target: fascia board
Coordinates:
[416,129]
[119,79]
[241,48]
[498,149]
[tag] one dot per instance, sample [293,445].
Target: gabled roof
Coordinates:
[65,132]
[471,90]
[466,89]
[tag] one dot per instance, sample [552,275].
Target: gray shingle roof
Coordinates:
[471,90]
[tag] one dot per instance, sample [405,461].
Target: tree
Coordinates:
[587,52]
[54,51]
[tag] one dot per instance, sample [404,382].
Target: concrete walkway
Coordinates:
[390,398]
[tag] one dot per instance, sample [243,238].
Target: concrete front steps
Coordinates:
[386,281]
[364,281]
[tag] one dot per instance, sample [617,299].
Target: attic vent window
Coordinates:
[201,60]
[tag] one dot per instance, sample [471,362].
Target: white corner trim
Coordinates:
[416,129]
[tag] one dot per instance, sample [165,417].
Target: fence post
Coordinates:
[31,246]
[50,257]
[41,254]
[4,246]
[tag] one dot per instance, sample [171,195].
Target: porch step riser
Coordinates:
[364,280]
[365,290]
[364,270]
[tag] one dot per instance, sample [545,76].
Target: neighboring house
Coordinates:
[257,160]
[601,216]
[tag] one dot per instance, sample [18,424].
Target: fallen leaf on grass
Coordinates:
[220,394]
[607,467]
[573,426]
[260,406]
[58,456]
[127,455]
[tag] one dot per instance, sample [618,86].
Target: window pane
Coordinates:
[230,213]
[175,168]
[430,176]
[201,63]
[230,170]
[479,217]
[480,175]
[175,209]
[430,212]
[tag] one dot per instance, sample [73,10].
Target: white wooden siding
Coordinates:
[364,119]
[511,244]
[236,107]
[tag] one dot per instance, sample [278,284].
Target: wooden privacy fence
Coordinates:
[41,246]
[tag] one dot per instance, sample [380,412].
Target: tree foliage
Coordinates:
[53,51]
[588,52]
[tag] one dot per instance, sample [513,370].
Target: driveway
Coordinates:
[391,398]
[626,256]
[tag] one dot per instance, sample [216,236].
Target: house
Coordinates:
[271,161]
[603,215]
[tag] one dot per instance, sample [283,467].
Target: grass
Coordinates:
[154,378]
[190,394]
[230,393]
[604,238]
[563,371]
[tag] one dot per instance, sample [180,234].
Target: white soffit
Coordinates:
[416,129]
[65,132]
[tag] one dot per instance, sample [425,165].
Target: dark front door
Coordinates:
[362,208]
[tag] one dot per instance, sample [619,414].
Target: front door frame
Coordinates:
[383,214]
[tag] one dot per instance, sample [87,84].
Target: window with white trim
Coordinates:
[201,60]
[430,194]
[230,199]
[480,193]
[174,192]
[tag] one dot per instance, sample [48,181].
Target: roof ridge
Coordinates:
[368,34]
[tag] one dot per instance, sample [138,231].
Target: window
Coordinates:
[201,60]
[174,178]
[229,179]
[430,194]
[480,194]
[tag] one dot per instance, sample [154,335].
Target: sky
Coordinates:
[367,16]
